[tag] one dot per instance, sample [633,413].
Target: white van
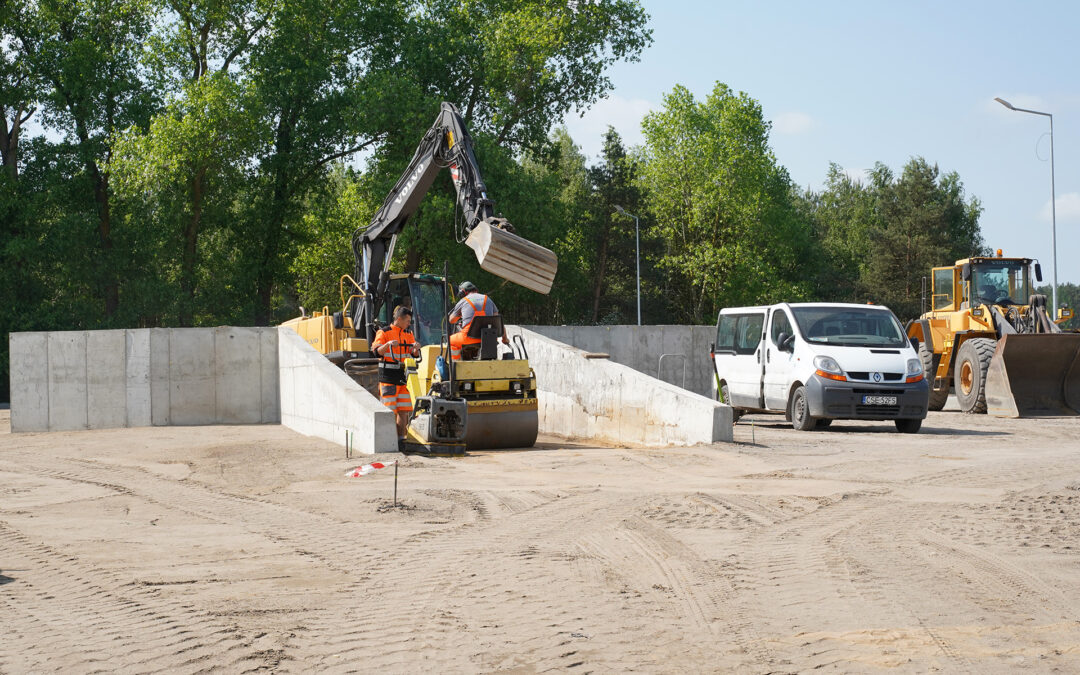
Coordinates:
[817,362]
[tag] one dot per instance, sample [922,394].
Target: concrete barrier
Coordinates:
[70,380]
[641,347]
[319,399]
[599,399]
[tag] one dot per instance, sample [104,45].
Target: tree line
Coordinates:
[205,162]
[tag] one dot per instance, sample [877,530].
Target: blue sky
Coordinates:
[860,82]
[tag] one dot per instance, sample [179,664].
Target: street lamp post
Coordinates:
[1053,197]
[637,248]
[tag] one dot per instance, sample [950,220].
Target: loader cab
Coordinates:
[946,293]
[996,281]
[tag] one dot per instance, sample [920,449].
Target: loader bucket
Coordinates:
[513,258]
[1035,376]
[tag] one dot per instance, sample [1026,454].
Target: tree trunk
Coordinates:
[9,143]
[191,242]
[598,288]
[265,277]
[412,260]
[111,287]
[279,203]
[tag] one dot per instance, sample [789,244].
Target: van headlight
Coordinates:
[828,368]
[828,364]
[914,371]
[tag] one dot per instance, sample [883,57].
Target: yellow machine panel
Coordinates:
[354,344]
[319,332]
[486,370]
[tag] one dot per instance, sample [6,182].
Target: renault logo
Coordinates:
[877,377]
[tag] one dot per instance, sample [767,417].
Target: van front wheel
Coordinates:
[799,411]
[725,395]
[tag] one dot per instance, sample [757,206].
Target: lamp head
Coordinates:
[1004,103]
[620,209]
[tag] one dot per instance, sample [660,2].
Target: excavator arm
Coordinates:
[447,144]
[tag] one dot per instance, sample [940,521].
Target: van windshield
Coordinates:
[850,326]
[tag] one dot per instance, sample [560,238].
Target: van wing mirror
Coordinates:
[915,343]
[784,342]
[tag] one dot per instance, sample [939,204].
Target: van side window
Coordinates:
[780,324]
[739,333]
[725,334]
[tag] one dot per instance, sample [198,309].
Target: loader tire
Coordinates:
[969,375]
[929,365]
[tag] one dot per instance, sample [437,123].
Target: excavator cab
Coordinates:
[425,295]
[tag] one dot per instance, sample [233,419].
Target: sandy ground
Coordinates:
[238,548]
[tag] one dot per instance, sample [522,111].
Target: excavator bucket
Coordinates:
[513,258]
[1035,375]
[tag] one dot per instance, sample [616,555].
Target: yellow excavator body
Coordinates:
[990,339]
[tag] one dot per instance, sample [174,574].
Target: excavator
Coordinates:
[992,339]
[485,400]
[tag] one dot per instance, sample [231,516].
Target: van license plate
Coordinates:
[879,400]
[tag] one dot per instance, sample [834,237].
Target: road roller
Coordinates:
[485,400]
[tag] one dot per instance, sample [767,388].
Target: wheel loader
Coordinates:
[486,399]
[991,340]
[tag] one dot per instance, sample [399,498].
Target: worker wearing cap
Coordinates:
[472,304]
[393,344]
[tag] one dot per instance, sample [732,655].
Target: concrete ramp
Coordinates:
[319,399]
[594,398]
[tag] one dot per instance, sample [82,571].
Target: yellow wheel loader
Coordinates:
[990,338]
[486,399]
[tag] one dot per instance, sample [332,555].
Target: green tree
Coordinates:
[85,53]
[924,221]
[613,269]
[514,69]
[1068,296]
[723,206]
[182,176]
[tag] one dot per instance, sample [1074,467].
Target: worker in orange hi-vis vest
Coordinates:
[471,305]
[393,344]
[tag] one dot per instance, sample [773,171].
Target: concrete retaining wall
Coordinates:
[640,347]
[70,380]
[596,398]
[319,399]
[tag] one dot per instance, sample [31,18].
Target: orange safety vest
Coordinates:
[461,338]
[399,351]
[476,312]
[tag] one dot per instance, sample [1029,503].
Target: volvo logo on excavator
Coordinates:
[410,183]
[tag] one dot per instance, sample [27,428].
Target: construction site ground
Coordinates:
[245,547]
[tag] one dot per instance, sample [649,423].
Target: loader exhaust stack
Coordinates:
[1035,375]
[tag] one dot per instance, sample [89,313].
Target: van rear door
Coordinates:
[738,355]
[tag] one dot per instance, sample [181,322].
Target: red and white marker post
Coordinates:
[373,467]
